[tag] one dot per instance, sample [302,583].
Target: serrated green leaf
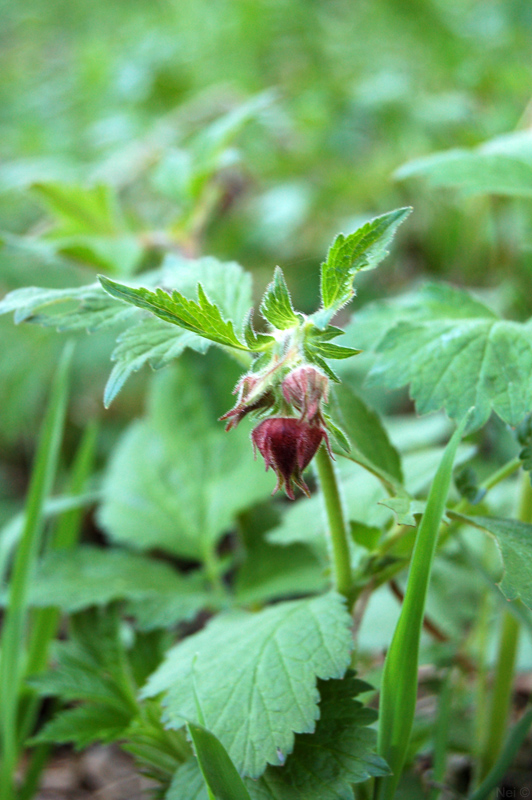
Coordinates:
[83,726]
[369,326]
[151,342]
[514,540]
[323,765]
[276,305]
[177,480]
[201,317]
[275,653]
[501,166]
[218,770]
[460,358]
[363,249]
[148,340]
[341,752]
[95,576]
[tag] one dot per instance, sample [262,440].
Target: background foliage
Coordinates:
[136,135]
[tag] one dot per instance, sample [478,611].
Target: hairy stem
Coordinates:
[337,529]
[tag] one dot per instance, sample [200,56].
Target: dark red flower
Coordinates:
[288,445]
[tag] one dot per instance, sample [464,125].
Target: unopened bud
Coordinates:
[305,388]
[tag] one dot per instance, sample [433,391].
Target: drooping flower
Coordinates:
[305,388]
[288,445]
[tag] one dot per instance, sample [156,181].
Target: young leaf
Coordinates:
[514,540]
[341,751]
[276,306]
[201,317]
[262,657]
[218,770]
[458,358]
[363,249]
[79,209]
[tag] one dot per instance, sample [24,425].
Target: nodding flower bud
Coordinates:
[305,388]
[288,445]
[250,398]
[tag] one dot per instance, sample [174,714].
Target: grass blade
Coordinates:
[219,772]
[399,680]
[15,620]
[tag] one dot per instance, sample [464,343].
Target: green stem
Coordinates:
[338,535]
[502,692]
[506,661]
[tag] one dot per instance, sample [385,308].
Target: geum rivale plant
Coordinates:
[266,697]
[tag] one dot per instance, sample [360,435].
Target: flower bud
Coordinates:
[250,398]
[305,388]
[288,445]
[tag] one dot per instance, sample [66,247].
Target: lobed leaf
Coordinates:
[323,765]
[457,358]
[341,752]
[255,676]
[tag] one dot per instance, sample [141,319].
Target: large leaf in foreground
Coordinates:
[459,357]
[323,765]
[514,540]
[255,676]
